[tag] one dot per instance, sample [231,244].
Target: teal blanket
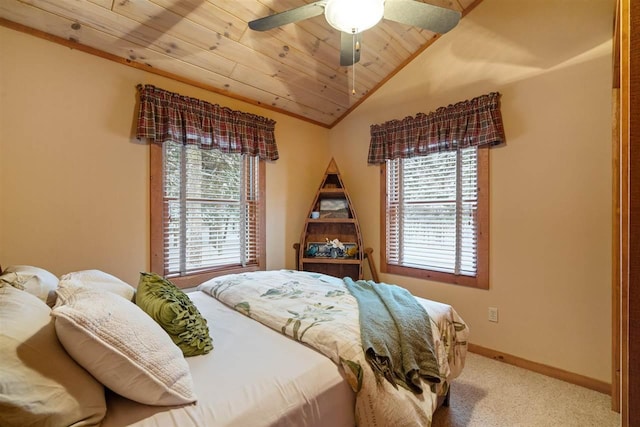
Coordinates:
[396,334]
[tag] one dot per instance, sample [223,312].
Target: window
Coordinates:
[437,217]
[207,213]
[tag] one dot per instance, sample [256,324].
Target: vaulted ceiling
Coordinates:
[294,69]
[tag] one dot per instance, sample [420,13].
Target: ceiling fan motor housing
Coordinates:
[353,16]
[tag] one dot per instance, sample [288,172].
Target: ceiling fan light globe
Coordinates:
[353,16]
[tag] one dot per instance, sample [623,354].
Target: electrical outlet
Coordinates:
[493,314]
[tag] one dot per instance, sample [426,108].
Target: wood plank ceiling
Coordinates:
[293,69]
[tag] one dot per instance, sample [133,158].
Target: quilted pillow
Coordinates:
[174,311]
[39,383]
[121,346]
[100,280]
[37,281]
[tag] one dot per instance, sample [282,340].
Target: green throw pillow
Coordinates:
[174,311]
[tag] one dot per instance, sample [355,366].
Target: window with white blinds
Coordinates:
[433,212]
[210,209]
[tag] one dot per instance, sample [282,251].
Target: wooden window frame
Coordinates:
[481,280]
[156,188]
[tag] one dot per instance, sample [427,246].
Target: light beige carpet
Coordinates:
[492,393]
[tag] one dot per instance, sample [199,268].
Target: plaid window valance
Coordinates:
[468,123]
[166,116]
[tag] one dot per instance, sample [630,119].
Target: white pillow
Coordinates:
[101,280]
[120,345]
[39,383]
[36,281]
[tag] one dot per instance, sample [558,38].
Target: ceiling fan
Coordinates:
[352,17]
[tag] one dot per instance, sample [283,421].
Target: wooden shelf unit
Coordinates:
[317,230]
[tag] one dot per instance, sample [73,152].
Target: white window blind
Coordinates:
[432,204]
[210,209]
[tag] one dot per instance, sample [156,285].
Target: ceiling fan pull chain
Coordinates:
[353,67]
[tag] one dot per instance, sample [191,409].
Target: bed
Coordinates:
[259,375]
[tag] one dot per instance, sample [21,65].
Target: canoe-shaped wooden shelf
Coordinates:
[331,191]
[331,261]
[337,220]
[332,220]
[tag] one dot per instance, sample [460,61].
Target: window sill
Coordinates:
[481,281]
[193,280]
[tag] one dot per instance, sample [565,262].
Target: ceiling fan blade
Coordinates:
[288,16]
[349,48]
[433,18]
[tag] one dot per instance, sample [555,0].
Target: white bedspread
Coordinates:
[318,310]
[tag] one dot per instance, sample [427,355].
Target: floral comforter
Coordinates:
[319,311]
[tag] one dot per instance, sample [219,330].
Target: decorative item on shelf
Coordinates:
[336,248]
[334,208]
[315,215]
[350,250]
[316,250]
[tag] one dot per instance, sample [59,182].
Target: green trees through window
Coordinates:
[210,210]
[436,222]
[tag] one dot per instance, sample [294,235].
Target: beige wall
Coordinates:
[550,261]
[74,181]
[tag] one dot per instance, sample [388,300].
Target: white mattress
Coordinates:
[254,377]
